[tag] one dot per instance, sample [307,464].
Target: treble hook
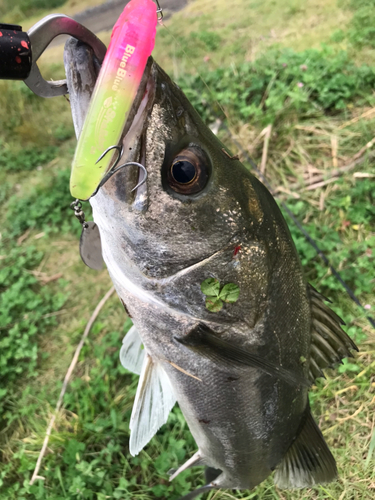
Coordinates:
[115,169]
[120,151]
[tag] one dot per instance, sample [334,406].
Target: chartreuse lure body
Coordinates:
[132,41]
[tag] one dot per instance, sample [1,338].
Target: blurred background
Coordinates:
[291,83]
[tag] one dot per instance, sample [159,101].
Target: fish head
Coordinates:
[189,206]
[197,208]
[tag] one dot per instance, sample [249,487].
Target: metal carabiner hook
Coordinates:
[41,35]
[159,11]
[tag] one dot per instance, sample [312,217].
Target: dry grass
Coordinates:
[299,154]
[305,156]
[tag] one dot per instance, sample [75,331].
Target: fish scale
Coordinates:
[241,374]
[208,414]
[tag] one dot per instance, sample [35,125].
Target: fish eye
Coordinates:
[183,172]
[189,171]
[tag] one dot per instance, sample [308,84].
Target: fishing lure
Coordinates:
[132,41]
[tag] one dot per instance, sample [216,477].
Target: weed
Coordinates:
[63,132]
[210,39]
[24,305]
[27,158]
[353,261]
[215,297]
[281,83]
[5,190]
[361,30]
[44,207]
[30,122]
[88,456]
[27,8]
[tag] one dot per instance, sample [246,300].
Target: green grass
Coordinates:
[26,8]
[48,295]
[247,30]
[28,12]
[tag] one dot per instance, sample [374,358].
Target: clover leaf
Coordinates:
[211,286]
[230,293]
[214,304]
[215,297]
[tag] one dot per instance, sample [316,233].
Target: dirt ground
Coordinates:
[104,16]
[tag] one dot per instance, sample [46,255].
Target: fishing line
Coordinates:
[305,233]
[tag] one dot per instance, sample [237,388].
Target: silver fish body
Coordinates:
[239,374]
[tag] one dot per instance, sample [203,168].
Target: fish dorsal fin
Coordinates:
[308,461]
[329,343]
[132,352]
[153,402]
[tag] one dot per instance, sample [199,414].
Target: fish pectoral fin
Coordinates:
[308,461]
[132,353]
[153,402]
[329,343]
[206,343]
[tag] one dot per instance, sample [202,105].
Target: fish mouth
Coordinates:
[82,70]
[140,101]
[133,144]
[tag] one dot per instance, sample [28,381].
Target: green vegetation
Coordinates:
[24,313]
[26,8]
[361,29]
[279,83]
[217,295]
[321,130]
[43,207]
[28,12]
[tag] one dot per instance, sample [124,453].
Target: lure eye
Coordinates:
[189,171]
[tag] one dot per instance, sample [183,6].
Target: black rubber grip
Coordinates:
[15,53]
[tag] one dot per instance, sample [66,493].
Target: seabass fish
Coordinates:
[205,266]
